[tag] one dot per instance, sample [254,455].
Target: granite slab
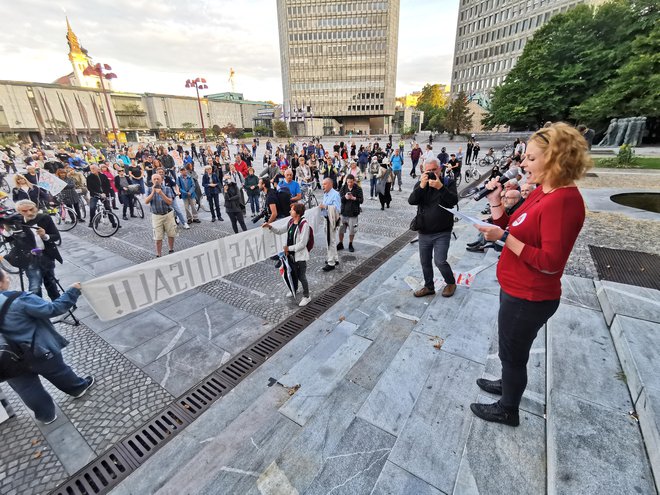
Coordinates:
[628,300]
[70,447]
[396,481]
[241,334]
[578,291]
[582,359]
[137,331]
[210,320]
[158,346]
[393,398]
[502,460]
[591,447]
[317,385]
[356,462]
[431,442]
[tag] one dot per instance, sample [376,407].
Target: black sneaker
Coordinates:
[495,413]
[328,268]
[351,248]
[340,246]
[490,386]
[90,381]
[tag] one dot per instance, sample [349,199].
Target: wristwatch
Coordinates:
[502,240]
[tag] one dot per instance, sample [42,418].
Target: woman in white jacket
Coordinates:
[297,231]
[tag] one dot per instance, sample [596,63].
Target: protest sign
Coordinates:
[50,182]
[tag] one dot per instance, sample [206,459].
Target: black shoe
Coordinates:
[388,205]
[473,244]
[197,220]
[340,246]
[115,208]
[351,248]
[213,219]
[125,217]
[495,413]
[475,249]
[90,381]
[90,224]
[382,208]
[221,219]
[133,216]
[490,386]
[328,268]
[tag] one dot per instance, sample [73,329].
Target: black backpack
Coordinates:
[283,202]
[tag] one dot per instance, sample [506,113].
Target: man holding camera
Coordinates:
[162,220]
[434,225]
[34,248]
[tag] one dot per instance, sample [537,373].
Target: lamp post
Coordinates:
[98,71]
[198,83]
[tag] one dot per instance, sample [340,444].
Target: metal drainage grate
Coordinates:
[108,470]
[627,267]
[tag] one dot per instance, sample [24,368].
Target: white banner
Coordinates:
[138,287]
[50,182]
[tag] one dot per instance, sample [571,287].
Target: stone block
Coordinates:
[396,481]
[578,291]
[394,396]
[592,448]
[582,359]
[137,331]
[628,300]
[241,334]
[356,462]
[318,384]
[499,459]
[70,447]
[431,442]
[193,303]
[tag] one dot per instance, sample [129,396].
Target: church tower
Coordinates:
[80,59]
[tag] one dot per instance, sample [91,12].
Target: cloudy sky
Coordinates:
[155,45]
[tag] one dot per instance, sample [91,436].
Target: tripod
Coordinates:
[76,321]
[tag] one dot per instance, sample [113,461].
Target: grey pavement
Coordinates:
[380,405]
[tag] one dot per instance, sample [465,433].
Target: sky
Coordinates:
[155,45]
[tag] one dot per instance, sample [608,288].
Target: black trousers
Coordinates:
[214,205]
[236,218]
[518,323]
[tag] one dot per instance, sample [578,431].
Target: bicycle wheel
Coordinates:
[5,247]
[65,219]
[137,207]
[312,201]
[468,176]
[83,208]
[105,223]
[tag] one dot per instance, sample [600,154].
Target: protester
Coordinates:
[351,199]
[435,225]
[176,205]
[233,205]
[160,198]
[188,195]
[211,183]
[331,208]
[98,186]
[374,167]
[125,197]
[415,155]
[27,326]
[298,232]
[397,166]
[385,178]
[69,196]
[538,239]
[291,185]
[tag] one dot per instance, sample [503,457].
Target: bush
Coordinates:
[281,129]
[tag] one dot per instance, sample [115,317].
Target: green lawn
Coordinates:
[653,163]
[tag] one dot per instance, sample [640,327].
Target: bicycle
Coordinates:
[65,218]
[5,248]
[308,198]
[488,161]
[457,177]
[471,173]
[133,192]
[105,223]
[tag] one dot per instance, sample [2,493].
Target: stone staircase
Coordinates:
[374,397]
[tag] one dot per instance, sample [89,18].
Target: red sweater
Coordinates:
[548,225]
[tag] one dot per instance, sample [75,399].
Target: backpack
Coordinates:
[310,241]
[283,202]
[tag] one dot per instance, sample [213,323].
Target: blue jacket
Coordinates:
[187,187]
[30,315]
[207,179]
[397,162]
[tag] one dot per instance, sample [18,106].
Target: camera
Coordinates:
[259,216]
[431,175]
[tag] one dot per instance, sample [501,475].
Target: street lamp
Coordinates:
[198,83]
[98,71]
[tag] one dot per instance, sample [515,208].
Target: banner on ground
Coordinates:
[138,287]
[51,183]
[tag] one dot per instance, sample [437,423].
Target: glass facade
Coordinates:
[339,58]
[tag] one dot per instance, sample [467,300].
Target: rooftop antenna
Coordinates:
[231,79]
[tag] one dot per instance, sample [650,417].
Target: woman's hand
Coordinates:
[491,233]
[495,186]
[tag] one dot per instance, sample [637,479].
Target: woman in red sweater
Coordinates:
[538,239]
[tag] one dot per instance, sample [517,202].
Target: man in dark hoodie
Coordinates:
[434,225]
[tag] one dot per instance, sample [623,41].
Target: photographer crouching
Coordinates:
[33,236]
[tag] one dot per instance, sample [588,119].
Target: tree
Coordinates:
[433,103]
[231,130]
[575,56]
[188,125]
[262,130]
[436,121]
[458,116]
[281,129]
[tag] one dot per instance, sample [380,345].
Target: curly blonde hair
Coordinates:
[565,151]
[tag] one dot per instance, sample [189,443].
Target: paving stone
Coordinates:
[502,460]
[315,387]
[638,345]
[186,365]
[393,397]
[394,481]
[192,304]
[580,292]
[627,300]
[582,359]
[591,447]
[70,447]
[431,442]
[356,463]
[241,334]
[160,345]
[138,330]
[211,321]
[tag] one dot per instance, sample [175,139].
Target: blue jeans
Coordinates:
[32,392]
[254,203]
[397,176]
[42,271]
[434,247]
[176,206]
[372,190]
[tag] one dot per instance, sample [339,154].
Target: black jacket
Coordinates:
[99,184]
[233,199]
[351,207]
[431,218]
[27,242]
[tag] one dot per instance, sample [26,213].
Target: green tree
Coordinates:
[573,57]
[433,103]
[436,121]
[459,117]
[281,129]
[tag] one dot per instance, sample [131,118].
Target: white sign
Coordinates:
[138,287]
[467,218]
[50,182]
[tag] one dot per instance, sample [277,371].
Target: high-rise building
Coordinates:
[339,61]
[490,37]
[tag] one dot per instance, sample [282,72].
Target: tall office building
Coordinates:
[339,61]
[490,37]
